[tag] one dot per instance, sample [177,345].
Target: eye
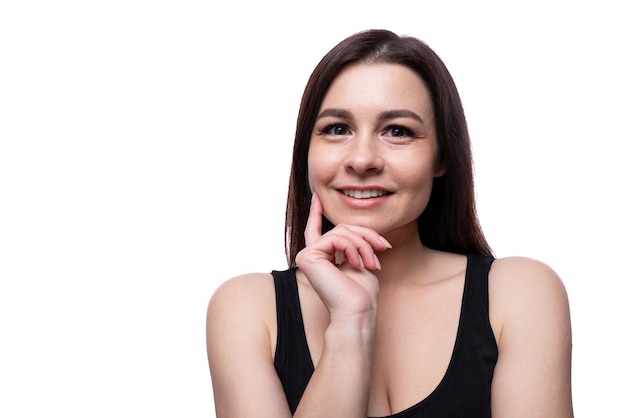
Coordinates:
[335,129]
[397,131]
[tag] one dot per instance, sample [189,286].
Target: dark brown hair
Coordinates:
[449,221]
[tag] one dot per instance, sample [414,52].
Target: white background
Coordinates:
[144,157]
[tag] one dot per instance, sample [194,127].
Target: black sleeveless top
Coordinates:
[464,391]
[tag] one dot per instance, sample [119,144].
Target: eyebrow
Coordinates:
[388,114]
[404,113]
[338,113]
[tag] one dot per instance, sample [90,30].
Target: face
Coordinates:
[373,151]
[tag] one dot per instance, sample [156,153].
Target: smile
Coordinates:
[364,194]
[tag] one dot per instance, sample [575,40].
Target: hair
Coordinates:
[449,221]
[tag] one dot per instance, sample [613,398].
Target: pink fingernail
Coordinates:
[384,241]
[378,266]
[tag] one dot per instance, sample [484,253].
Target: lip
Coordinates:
[364,193]
[372,196]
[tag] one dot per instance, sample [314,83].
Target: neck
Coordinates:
[407,256]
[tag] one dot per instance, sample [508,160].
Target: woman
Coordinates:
[393,305]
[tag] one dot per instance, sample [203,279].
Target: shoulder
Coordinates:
[244,293]
[530,317]
[524,289]
[241,313]
[511,275]
[237,284]
[243,305]
[240,337]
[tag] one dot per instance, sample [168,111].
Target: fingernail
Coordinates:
[384,241]
[378,266]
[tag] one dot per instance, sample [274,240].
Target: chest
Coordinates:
[415,338]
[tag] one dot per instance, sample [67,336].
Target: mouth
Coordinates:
[364,194]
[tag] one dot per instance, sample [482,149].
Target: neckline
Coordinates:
[444,380]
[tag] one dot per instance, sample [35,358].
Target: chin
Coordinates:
[327,225]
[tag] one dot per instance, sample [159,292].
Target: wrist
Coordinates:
[352,331]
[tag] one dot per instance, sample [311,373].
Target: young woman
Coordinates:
[393,304]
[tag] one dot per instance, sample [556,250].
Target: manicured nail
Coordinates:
[384,241]
[378,266]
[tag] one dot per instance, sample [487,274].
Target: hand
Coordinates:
[350,287]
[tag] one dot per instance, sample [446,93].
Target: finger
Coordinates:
[353,249]
[363,256]
[366,242]
[377,241]
[313,230]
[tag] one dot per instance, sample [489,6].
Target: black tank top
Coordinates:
[464,391]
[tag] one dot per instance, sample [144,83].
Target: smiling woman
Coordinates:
[373,153]
[393,304]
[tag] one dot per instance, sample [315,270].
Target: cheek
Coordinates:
[417,174]
[318,177]
[321,167]
[421,186]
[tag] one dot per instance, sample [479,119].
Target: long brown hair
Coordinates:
[449,221]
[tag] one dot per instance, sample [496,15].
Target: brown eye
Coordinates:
[336,130]
[398,132]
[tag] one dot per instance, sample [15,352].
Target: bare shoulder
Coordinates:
[242,308]
[523,288]
[246,284]
[239,325]
[248,294]
[241,330]
[512,275]
[529,312]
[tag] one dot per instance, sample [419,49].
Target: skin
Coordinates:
[381,311]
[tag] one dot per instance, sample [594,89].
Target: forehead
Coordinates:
[379,85]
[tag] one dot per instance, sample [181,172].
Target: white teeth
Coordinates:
[364,194]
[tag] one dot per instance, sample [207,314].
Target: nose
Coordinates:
[364,155]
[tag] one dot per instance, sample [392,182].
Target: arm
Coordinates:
[239,349]
[244,380]
[533,373]
[239,344]
[340,384]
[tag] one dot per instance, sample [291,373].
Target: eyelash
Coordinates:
[327,130]
[406,132]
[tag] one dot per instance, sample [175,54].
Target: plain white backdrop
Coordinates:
[144,159]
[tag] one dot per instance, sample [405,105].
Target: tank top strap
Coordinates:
[292,358]
[476,293]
